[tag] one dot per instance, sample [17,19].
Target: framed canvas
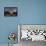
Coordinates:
[32,32]
[10,11]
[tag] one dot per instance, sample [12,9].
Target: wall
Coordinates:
[29,12]
[33,12]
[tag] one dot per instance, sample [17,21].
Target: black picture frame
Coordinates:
[10,11]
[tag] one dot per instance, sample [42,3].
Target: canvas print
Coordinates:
[10,11]
[33,32]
